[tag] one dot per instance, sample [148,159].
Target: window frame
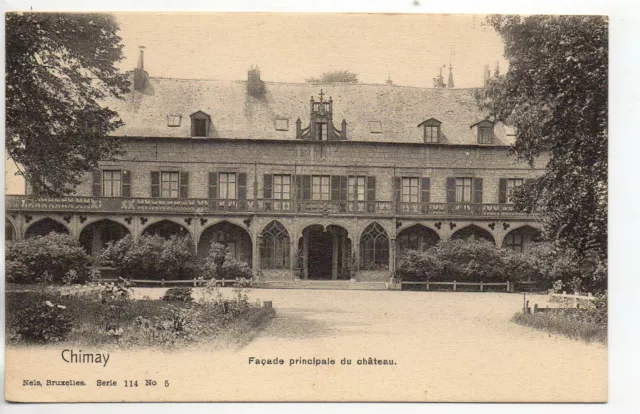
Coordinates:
[407,184]
[320,128]
[281,128]
[104,182]
[375,127]
[354,186]
[487,137]
[512,243]
[278,188]
[511,185]
[177,121]
[463,189]
[429,138]
[227,185]
[321,186]
[170,174]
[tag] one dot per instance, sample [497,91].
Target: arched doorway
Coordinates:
[275,246]
[520,239]
[416,237]
[233,237]
[166,229]
[95,236]
[326,253]
[44,227]
[9,231]
[374,248]
[473,231]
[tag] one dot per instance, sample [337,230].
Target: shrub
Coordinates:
[220,264]
[415,266]
[152,257]
[60,255]
[42,322]
[180,294]
[471,260]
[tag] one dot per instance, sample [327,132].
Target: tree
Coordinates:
[59,67]
[555,95]
[336,76]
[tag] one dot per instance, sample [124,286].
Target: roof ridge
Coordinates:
[395,86]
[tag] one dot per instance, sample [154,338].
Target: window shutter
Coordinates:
[371,188]
[502,195]
[451,189]
[213,185]
[306,187]
[97,183]
[184,184]
[267,184]
[242,186]
[425,189]
[477,188]
[344,182]
[397,187]
[155,184]
[335,187]
[126,183]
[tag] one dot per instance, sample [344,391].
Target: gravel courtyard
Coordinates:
[446,346]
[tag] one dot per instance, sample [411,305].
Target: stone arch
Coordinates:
[374,247]
[416,237]
[45,226]
[521,238]
[473,231]
[10,231]
[275,246]
[324,252]
[95,235]
[231,235]
[166,228]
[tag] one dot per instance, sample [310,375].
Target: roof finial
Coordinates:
[321,95]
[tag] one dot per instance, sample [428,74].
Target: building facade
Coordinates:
[301,181]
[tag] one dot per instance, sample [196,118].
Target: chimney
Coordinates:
[389,82]
[139,75]
[450,83]
[486,75]
[255,86]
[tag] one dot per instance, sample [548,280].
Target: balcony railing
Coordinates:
[203,206]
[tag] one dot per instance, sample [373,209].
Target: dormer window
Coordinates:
[322,130]
[431,130]
[484,131]
[375,127]
[200,124]
[174,120]
[282,124]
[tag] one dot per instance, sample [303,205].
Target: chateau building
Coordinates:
[299,180]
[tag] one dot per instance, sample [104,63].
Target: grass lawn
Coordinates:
[581,324]
[146,323]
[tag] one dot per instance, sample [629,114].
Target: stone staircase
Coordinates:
[320,284]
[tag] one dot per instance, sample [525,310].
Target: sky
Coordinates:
[290,47]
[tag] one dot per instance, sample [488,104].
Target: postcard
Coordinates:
[306,207]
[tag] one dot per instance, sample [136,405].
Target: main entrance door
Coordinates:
[325,253]
[320,255]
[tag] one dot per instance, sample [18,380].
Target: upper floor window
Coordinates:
[174,120]
[200,124]
[512,183]
[322,131]
[507,185]
[410,190]
[169,184]
[357,188]
[431,130]
[320,187]
[463,190]
[282,124]
[111,183]
[227,187]
[282,187]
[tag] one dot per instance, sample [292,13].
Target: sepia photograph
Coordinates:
[306,207]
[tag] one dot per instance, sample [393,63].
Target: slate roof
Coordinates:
[236,114]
